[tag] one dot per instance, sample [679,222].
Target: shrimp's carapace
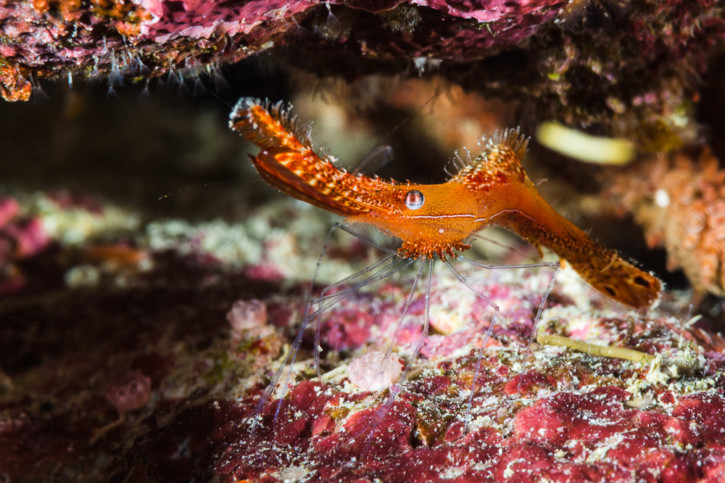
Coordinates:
[435,220]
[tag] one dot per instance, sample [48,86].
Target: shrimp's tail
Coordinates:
[608,272]
[536,221]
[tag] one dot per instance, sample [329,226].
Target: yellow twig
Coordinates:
[593,349]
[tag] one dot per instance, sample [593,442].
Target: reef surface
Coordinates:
[143,358]
[150,285]
[610,66]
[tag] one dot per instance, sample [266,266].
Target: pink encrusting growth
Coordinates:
[247,314]
[433,222]
[148,38]
[184,350]
[21,238]
[129,391]
[375,371]
[9,209]
[570,416]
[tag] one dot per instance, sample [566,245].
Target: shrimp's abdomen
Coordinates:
[604,269]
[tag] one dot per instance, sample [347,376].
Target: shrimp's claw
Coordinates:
[288,162]
[268,125]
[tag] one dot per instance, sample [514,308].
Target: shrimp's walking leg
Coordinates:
[535,327]
[291,356]
[479,356]
[396,388]
[338,295]
[426,318]
[328,300]
[398,328]
[553,265]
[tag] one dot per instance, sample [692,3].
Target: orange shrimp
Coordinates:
[435,220]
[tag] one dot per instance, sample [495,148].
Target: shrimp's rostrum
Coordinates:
[435,220]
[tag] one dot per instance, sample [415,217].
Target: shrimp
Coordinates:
[436,220]
[432,221]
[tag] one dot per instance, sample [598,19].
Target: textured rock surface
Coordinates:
[121,367]
[623,68]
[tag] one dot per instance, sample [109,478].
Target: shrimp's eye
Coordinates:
[414,199]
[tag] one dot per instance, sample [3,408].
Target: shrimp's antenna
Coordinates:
[381,144]
[506,267]
[200,186]
[385,151]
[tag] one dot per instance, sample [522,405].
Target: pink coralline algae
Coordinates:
[561,437]
[9,209]
[27,237]
[151,37]
[129,391]
[559,416]
[21,238]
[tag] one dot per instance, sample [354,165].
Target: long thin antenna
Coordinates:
[202,185]
[382,145]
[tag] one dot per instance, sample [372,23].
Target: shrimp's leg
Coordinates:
[337,296]
[399,327]
[286,364]
[479,357]
[395,389]
[487,266]
[535,327]
[383,152]
[291,356]
[328,300]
